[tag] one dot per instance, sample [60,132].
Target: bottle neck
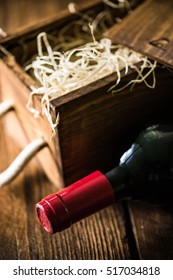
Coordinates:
[124,186]
[118,179]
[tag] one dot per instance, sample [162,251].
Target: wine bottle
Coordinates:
[149,159]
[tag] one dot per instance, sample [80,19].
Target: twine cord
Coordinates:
[21,160]
[5,107]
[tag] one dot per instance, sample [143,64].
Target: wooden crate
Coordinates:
[96,126]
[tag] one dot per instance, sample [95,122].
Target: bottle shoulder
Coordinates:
[157,143]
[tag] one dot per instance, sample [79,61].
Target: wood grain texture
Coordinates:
[148,30]
[35,14]
[152,225]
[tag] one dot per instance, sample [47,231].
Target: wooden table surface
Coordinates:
[134,229]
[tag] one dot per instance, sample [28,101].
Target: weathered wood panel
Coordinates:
[19,17]
[148,30]
[152,225]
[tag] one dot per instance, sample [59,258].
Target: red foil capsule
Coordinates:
[59,211]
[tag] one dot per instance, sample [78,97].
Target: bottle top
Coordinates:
[59,211]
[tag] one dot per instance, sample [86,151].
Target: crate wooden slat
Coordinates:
[152,225]
[49,11]
[148,30]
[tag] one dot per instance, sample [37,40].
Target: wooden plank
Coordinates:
[152,225]
[148,30]
[13,238]
[39,13]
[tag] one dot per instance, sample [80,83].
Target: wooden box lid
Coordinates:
[148,30]
[49,11]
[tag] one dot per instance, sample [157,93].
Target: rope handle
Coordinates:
[24,156]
